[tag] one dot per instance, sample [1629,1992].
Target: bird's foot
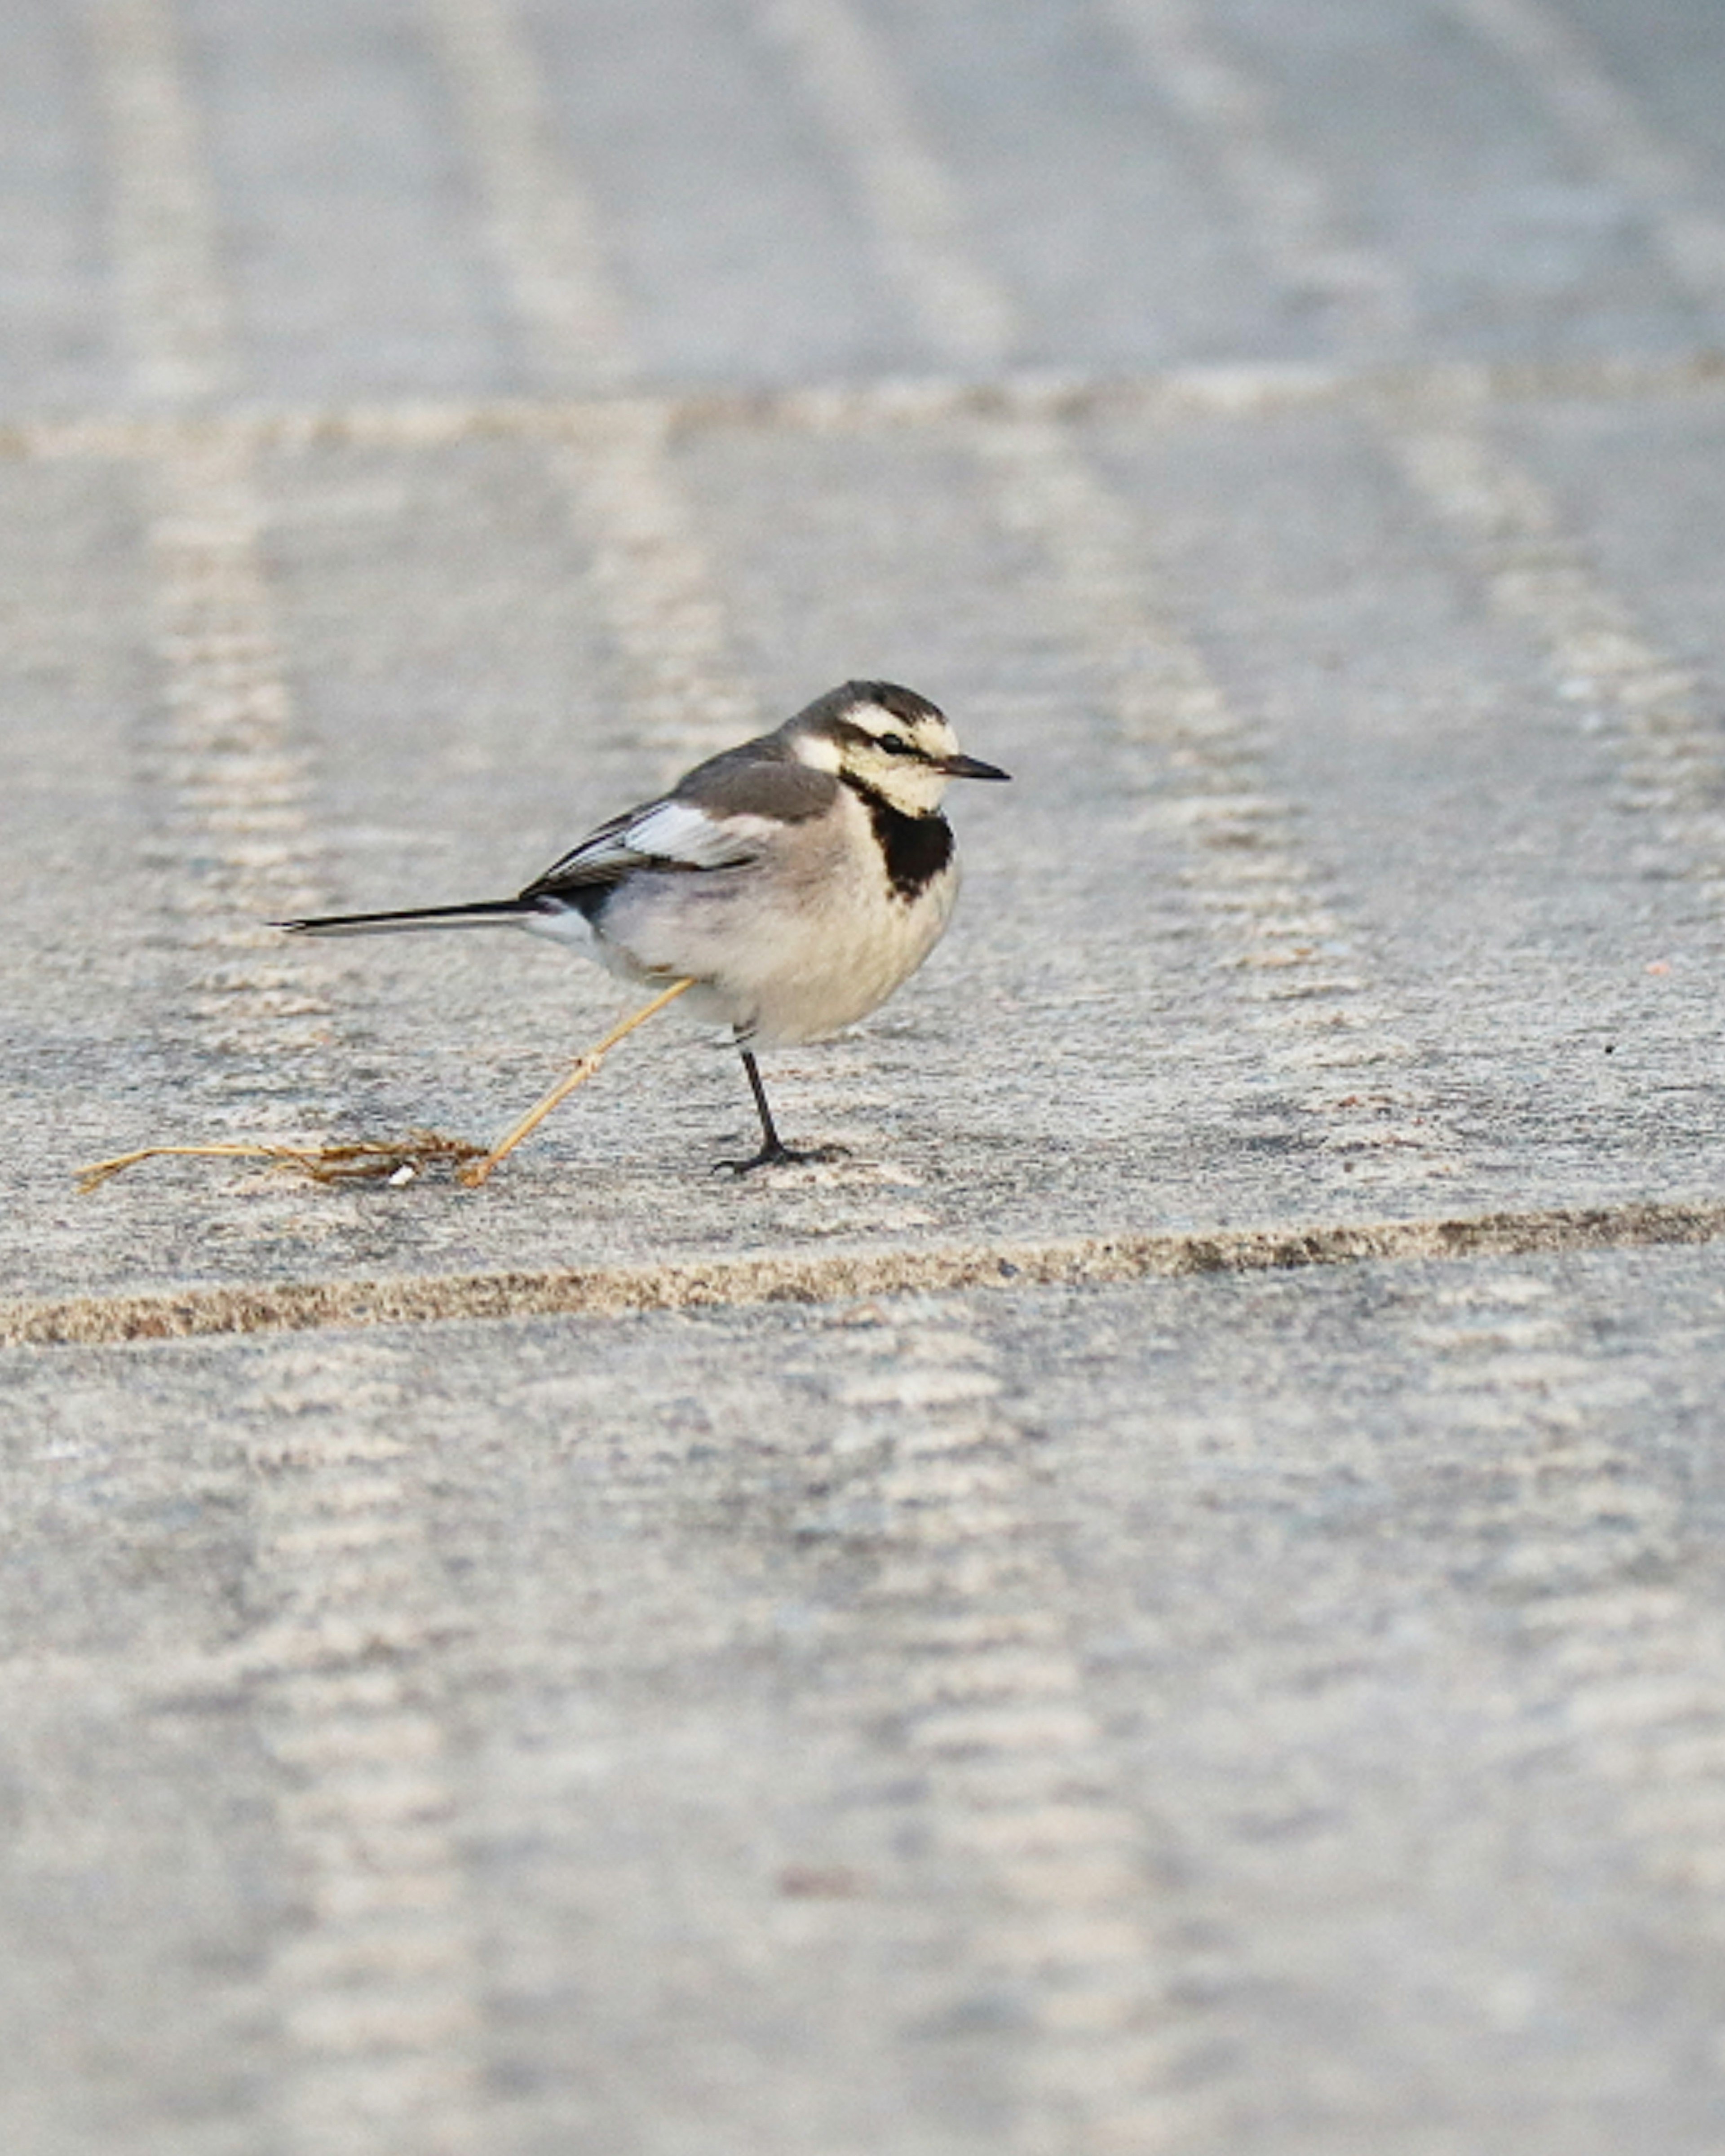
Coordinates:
[778,1155]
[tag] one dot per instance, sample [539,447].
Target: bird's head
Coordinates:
[889,739]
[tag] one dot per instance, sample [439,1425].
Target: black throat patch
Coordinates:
[916,848]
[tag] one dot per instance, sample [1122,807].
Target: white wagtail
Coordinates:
[787,887]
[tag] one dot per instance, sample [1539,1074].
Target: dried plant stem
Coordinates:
[476,1171]
[382,1160]
[348,1160]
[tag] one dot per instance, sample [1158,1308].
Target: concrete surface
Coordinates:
[1280,1712]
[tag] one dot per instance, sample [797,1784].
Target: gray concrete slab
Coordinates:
[1225,1715]
[1665,74]
[1455,171]
[59,347]
[1226,1010]
[738,250]
[1065,137]
[345,218]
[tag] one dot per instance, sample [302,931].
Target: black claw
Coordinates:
[778,1155]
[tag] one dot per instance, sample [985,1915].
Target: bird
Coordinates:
[783,888]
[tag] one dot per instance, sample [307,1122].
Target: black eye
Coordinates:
[895,745]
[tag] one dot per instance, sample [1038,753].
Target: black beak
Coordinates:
[970,767]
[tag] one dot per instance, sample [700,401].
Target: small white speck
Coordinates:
[405,1173]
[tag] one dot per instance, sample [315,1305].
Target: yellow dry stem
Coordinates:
[378,1160]
[475,1173]
[349,1160]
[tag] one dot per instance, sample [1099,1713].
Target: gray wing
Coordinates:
[721,816]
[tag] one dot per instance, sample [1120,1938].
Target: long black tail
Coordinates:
[487,913]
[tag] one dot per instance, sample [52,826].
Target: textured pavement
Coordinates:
[1170,1603]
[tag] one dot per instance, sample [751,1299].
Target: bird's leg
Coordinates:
[774,1152]
[477,1171]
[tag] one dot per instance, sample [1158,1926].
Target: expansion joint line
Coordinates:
[1168,397]
[834,1276]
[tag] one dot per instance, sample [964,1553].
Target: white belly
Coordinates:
[782,961]
[818,983]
